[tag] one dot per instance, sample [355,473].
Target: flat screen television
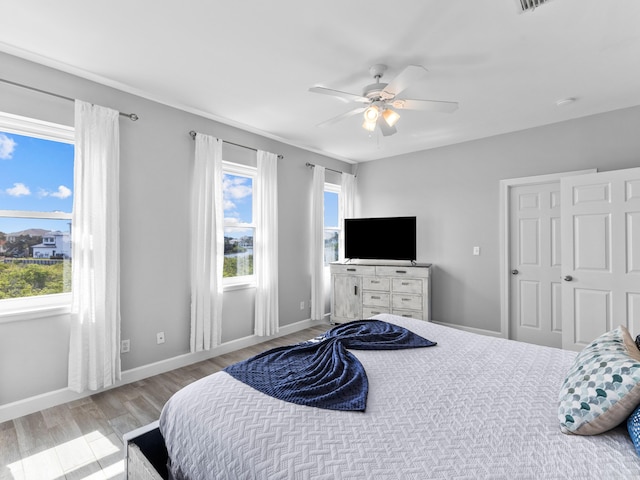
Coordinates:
[385,238]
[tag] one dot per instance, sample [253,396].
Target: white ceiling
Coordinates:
[250,63]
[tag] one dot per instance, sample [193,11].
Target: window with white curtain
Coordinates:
[36,202]
[239,224]
[332,228]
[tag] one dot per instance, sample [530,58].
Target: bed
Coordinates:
[471,407]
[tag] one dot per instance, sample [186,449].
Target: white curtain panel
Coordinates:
[347,205]
[207,244]
[94,353]
[317,244]
[266,245]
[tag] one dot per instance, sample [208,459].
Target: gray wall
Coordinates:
[156,159]
[454,192]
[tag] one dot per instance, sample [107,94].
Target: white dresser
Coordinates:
[360,291]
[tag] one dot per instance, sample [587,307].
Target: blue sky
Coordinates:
[238,202]
[330,209]
[36,175]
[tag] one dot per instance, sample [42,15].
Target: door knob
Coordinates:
[514,272]
[568,278]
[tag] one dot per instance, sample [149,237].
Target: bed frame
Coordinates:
[145,454]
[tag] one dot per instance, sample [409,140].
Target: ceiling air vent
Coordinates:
[530,5]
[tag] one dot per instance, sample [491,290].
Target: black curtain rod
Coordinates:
[193,134]
[311,165]
[130,116]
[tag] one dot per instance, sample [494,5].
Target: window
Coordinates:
[332,228]
[239,227]
[36,200]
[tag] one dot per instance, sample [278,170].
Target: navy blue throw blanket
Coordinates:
[321,372]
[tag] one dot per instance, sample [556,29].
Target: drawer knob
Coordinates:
[405,283]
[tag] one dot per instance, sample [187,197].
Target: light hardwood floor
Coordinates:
[83,439]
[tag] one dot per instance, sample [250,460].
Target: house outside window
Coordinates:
[239,227]
[332,228]
[36,201]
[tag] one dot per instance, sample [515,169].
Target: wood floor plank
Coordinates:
[42,465]
[91,471]
[10,457]
[143,410]
[32,432]
[110,452]
[92,421]
[125,423]
[109,403]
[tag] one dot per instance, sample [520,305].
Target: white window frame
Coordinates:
[333,188]
[242,281]
[25,308]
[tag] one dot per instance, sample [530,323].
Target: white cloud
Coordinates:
[63,192]
[7,147]
[236,188]
[18,190]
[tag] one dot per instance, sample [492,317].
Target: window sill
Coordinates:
[228,287]
[33,308]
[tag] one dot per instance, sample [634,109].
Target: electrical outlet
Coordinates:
[160,337]
[476,250]
[302,305]
[125,346]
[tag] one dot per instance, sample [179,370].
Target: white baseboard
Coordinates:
[479,331]
[43,401]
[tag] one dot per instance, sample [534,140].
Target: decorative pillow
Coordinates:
[602,387]
[633,425]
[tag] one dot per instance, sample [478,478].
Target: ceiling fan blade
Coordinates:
[404,79]
[347,97]
[342,116]
[426,105]
[386,129]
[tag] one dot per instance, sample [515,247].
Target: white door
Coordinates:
[601,255]
[535,286]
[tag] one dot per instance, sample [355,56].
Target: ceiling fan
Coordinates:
[380,100]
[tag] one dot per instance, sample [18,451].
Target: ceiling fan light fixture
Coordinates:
[371,114]
[390,117]
[369,126]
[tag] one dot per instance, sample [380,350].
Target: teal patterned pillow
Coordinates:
[602,387]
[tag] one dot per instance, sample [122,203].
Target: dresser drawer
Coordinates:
[407,285]
[409,313]
[375,283]
[371,311]
[401,271]
[375,299]
[407,301]
[353,269]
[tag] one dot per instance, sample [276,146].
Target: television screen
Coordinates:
[389,238]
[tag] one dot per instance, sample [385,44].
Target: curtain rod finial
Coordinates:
[193,134]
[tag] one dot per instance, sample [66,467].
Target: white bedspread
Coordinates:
[472,407]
